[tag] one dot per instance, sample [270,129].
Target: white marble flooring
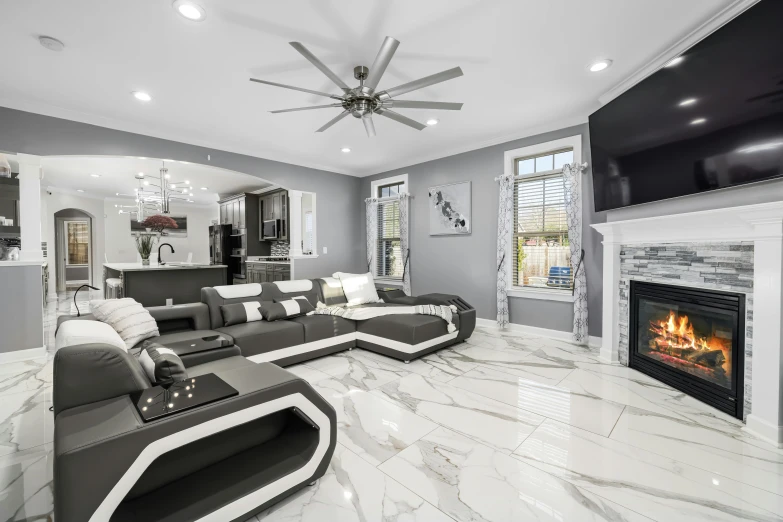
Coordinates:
[504,427]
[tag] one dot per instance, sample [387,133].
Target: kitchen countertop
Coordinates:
[173,265]
[23,263]
[268,262]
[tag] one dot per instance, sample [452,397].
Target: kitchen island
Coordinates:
[152,284]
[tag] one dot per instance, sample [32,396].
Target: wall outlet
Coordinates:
[169,302]
[324,250]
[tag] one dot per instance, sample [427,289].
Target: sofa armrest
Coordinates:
[90,373]
[113,434]
[191,316]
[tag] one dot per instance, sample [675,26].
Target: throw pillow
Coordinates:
[239,313]
[358,288]
[286,309]
[161,364]
[312,298]
[128,318]
[75,332]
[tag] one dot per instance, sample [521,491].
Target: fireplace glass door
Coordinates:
[695,340]
[690,338]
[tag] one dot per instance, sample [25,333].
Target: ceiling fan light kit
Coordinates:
[363,101]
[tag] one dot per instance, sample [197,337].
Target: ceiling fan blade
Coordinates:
[307,108]
[320,65]
[385,53]
[369,126]
[333,96]
[456,72]
[334,120]
[402,119]
[441,106]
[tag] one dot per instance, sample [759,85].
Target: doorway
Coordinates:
[73,231]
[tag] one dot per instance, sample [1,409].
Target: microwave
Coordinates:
[271,229]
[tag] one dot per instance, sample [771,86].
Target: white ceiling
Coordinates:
[524,62]
[117,174]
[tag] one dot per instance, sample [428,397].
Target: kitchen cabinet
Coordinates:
[268,272]
[274,206]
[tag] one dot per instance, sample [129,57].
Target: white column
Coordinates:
[295,223]
[766,418]
[610,325]
[30,175]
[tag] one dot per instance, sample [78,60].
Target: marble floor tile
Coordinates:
[738,456]
[521,363]
[660,487]
[25,420]
[357,369]
[492,422]
[373,428]
[311,375]
[554,402]
[353,491]
[437,365]
[473,482]
[26,492]
[29,375]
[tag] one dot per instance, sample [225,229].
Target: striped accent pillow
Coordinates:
[286,309]
[161,364]
[128,318]
[239,313]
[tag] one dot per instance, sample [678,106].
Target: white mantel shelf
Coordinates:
[760,224]
[745,223]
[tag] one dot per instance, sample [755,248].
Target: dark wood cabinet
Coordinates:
[274,206]
[268,272]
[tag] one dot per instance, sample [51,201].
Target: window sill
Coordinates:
[547,294]
[388,281]
[304,256]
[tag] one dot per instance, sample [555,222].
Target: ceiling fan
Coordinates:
[362,101]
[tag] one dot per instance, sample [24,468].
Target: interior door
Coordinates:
[77,253]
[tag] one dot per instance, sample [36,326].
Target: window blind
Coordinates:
[388,258]
[540,248]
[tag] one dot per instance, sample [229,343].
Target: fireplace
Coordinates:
[691,339]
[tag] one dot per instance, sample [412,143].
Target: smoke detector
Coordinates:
[53,44]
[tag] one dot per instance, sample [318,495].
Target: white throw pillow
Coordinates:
[131,320]
[358,288]
[74,333]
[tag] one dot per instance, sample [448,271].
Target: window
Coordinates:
[393,189]
[389,255]
[308,239]
[540,248]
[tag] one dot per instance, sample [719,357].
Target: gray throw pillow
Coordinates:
[239,313]
[161,364]
[312,298]
[286,309]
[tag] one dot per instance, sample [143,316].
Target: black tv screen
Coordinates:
[714,120]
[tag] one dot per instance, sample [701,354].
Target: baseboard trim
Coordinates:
[765,431]
[22,355]
[560,335]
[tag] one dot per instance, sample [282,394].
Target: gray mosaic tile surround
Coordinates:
[280,248]
[714,266]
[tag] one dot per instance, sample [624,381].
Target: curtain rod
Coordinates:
[582,167]
[390,198]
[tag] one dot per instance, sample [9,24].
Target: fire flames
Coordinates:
[676,342]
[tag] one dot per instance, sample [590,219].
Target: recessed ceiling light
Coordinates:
[190,10]
[79,190]
[345,149]
[187,182]
[432,121]
[698,121]
[142,96]
[173,186]
[146,182]
[675,62]
[685,103]
[600,65]
[203,188]
[95,175]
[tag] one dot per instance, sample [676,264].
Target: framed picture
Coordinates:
[180,231]
[450,209]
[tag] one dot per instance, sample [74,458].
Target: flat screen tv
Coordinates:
[712,121]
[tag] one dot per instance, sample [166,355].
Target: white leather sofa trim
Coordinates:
[282,353]
[237,291]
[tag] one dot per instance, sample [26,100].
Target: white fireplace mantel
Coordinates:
[763,225]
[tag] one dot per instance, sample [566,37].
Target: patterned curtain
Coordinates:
[404,242]
[571,180]
[505,225]
[372,230]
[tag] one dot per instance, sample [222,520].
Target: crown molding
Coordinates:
[710,26]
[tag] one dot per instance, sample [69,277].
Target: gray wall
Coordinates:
[339,200]
[21,308]
[466,265]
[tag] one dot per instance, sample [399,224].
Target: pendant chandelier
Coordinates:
[155,196]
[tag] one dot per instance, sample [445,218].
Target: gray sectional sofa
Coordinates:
[229,459]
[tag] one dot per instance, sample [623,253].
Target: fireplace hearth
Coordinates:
[691,339]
